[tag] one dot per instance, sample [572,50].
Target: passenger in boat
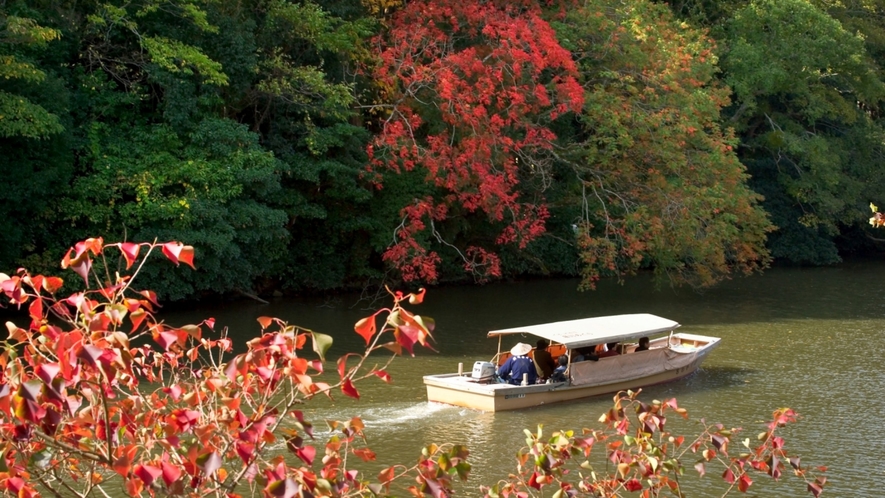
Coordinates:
[519,363]
[611,350]
[559,372]
[544,360]
[585,354]
[643,344]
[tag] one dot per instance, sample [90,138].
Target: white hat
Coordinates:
[521,349]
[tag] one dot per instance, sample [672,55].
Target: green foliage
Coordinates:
[175,56]
[231,127]
[24,30]
[19,115]
[135,42]
[762,60]
[244,125]
[706,13]
[793,241]
[35,158]
[863,17]
[33,170]
[805,121]
[659,184]
[315,25]
[301,99]
[12,68]
[204,187]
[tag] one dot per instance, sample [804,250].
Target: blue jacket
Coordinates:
[559,374]
[512,369]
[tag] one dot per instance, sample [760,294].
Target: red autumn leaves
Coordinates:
[78,258]
[495,75]
[408,329]
[97,382]
[641,455]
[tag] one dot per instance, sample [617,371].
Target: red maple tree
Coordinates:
[472,89]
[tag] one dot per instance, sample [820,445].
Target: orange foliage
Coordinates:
[86,392]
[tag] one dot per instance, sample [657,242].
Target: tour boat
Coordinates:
[671,355]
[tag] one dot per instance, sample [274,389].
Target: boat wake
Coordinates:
[391,417]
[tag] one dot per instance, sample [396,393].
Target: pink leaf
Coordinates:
[383,375]
[48,371]
[90,354]
[147,473]
[404,339]
[285,488]
[245,451]
[209,463]
[166,339]
[744,483]
[187,256]
[308,427]
[15,484]
[306,453]
[35,310]
[82,268]
[130,252]
[150,295]
[174,391]
[171,473]
[52,284]
[179,253]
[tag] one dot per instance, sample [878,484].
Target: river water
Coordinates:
[809,339]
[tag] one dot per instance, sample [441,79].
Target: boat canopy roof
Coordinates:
[599,330]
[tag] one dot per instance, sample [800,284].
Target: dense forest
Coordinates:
[304,146]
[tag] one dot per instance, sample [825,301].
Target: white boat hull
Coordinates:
[663,363]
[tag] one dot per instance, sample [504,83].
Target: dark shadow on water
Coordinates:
[466,313]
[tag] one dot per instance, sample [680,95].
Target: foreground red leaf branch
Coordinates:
[495,76]
[638,454]
[97,395]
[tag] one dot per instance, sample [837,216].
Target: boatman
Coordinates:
[518,364]
[544,360]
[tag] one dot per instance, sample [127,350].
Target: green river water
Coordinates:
[809,339]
